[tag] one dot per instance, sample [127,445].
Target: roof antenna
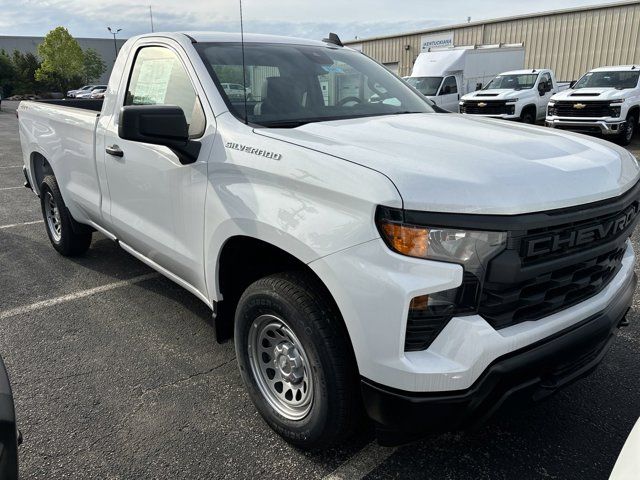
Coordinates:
[244,71]
[334,39]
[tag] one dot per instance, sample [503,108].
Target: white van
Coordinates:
[443,75]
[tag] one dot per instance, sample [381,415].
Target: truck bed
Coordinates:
[94,104]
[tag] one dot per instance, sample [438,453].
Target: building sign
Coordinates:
[441,39]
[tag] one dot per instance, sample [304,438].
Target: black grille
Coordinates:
[491,107]
[583,109]
[422,329]
[504,305]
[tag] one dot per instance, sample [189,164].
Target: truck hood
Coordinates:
[467,164]
[595,94]
[497,94]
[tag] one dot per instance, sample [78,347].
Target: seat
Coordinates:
[279,95]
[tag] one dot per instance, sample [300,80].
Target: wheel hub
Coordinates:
[288,361]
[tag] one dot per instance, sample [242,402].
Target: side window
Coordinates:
[159,78]
[449,86]
[547,79]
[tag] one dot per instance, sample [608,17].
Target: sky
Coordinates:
[300,18]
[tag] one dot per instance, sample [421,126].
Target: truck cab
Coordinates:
[515,95]
[603,101]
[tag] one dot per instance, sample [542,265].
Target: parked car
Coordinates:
[87,93]
[235,91]
[425,267]
[605,101]
[517,95]
[443,75]
[73,93]
[98,93]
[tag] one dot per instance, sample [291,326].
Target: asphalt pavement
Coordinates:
[116,374]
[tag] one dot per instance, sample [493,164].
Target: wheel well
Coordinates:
[242,261]
[635,111]
[529,108]
[40,168]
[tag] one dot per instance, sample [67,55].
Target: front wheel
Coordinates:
[528,117]
[626,134]
[296,360]
[58,221]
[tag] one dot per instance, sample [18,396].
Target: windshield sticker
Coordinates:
[332,69]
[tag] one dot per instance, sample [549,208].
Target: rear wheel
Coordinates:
[626,134]
[296,361]
[58,221]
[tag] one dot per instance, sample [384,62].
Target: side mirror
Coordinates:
[159,125]
[446,90]
[572,83]
[542,88]
[478,86]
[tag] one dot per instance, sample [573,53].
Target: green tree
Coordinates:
[94,67]
[62,60]
[25,66]
[7,74]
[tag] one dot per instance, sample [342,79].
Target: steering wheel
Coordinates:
[347,100]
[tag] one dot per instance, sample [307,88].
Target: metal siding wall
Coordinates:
[570,43]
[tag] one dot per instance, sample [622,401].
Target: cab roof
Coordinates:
[525,71]
[228,37]
[617,68]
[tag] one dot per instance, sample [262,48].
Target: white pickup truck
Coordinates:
[517,95]
[605,101]
[364,251]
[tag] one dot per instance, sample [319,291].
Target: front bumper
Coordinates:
[528,374]
[604,127]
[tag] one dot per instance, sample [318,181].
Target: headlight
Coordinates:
[512,100]
[618,101]
[472,249]
[551,104]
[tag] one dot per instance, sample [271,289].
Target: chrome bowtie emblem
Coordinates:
[482,104]
[579,106]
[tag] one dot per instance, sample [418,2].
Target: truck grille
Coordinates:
[558,263]
[485,107]
[582,109]
[504,305]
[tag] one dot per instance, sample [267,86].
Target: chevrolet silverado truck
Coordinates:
[604,101]
[365,253]
[517,95]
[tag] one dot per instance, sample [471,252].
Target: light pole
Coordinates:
[114,32]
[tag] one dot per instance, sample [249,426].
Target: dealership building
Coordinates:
[569,41]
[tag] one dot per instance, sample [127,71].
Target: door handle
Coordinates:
[114,150]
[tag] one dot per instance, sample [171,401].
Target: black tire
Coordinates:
[626,134]
[65,240]
[528,116]
[335,409]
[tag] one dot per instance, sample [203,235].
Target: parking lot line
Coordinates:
[11,166]
[74,296]
[11,188]
[362,463]
[11,225]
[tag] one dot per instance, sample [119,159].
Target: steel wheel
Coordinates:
[630,129]
[280,366]
[54,224]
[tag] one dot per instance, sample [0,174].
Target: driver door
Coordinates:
[448,96]
[156,202]
[544,95]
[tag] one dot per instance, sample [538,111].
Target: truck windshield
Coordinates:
[427,86]
[291,85]
[618,80]
[513,82]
